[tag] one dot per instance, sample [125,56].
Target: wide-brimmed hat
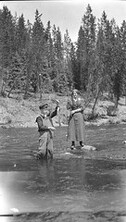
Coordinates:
[43,106]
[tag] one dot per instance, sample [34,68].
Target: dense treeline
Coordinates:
[36,58]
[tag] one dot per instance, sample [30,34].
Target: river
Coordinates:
[72,187]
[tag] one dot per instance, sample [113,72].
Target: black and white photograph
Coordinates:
[63,111]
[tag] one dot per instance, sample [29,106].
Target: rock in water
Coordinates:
[124,141]
[79,150]
[88,147]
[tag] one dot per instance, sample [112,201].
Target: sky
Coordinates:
[67,14]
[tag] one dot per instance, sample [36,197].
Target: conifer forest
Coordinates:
[39,59]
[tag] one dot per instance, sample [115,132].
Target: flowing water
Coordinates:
[83,186]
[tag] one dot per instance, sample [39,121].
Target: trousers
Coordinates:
[46,144]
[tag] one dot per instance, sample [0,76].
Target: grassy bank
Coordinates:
[17,112]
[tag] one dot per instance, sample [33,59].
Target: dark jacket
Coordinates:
[39,120]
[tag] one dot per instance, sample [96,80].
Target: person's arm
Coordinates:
[77,110]
[80,107]
[54,113]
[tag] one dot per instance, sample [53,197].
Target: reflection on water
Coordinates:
[5,219]
[122,219]
[62,185]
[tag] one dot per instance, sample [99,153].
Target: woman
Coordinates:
[76,126]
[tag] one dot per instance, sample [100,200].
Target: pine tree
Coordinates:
[27,54]
[109,57]
[60,79]
[57,43]
[7,37]
[7,44]
[38,43]
[74,67]
[123,46]
[49,57]
[81,60]
[104,53]
[86,46]
[15,76]
[118,68]
[67,45]
[21,34]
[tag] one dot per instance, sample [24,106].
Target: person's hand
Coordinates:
[55,101]
[51,128]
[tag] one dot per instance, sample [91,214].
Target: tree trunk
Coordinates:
[116,102]
[27,82]
[59,119]
[96,99]
[40,86]
[2,88]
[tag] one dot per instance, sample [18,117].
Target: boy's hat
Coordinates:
[43,106]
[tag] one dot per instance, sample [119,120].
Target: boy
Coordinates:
[46,130]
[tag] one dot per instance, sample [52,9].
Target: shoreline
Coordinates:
[98,122]
[16,112]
